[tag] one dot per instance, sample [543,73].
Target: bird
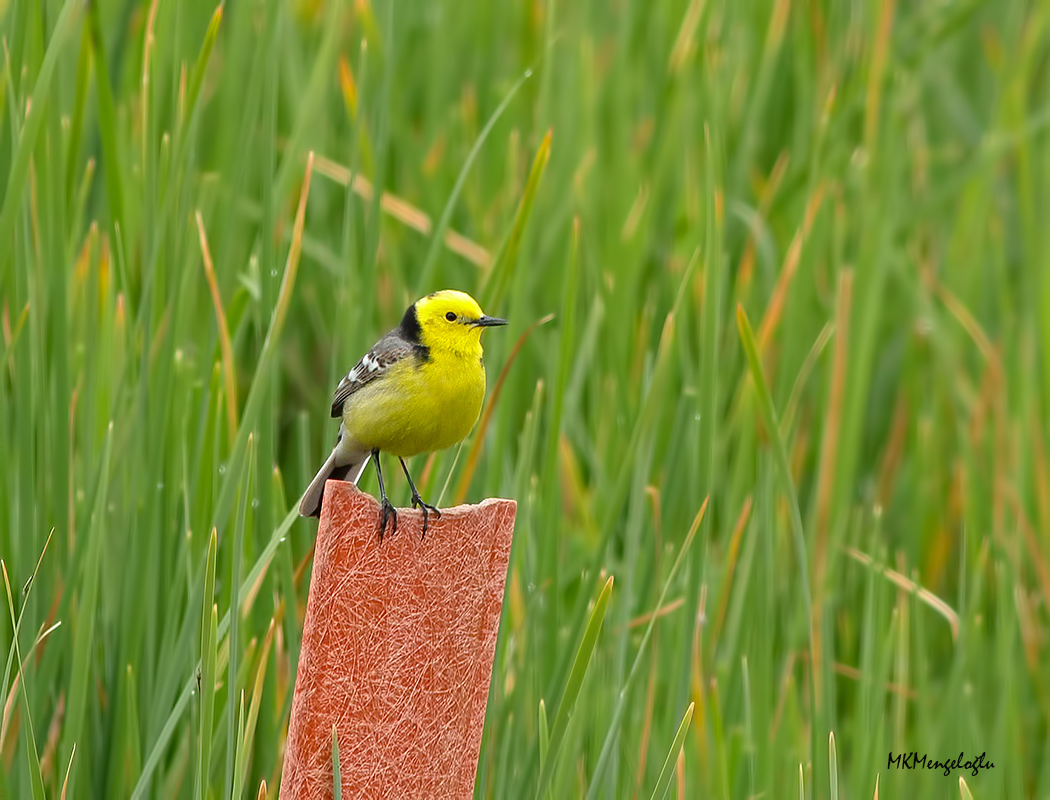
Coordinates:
[417,390]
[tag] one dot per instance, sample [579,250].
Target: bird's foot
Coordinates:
[418,502]
[387,514]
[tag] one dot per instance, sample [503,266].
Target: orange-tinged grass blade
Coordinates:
[507,258]
[224,331]
[36,775]
[893,688]
[1042,473]
[667,773]
[162,328]
[876,73]
[404,212]
[775,309]
[284,297]
[253,713]
[196,80]
[21,158]
[894,450]
[696,684]
[653,493]
[785,691]
[1031,637]
[647,721]
[82,263]
[8,715]
[348,86]
[434,157]
[674,605]
[829,451]
[634,215]
[147,46]
[966,320]
[1042,570]
[685,45]
[574,490]
[516,601]
[71,524]
[284,300]
[8,705]
[300,570]
[727,584]
[148,42]
[69,769]
[11,335]
[910,586]
[766,192]
[54,729]
[486,416]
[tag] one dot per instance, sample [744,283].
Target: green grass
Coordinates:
[796,255]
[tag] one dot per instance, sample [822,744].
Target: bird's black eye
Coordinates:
[450,317]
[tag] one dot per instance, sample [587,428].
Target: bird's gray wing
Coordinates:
[384,353]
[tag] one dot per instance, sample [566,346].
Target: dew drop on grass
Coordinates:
[532,587]
[273,273]
[222,469]
[255,502]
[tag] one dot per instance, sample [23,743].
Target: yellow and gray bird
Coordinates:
[419,389]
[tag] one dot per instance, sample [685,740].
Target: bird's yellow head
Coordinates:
[447,321]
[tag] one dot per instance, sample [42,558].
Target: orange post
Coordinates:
[398,644]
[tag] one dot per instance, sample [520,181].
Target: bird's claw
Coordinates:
[387,514]
[418,502]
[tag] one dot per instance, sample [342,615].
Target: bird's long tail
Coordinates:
[346,463]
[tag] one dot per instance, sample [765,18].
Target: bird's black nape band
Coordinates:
[410,329]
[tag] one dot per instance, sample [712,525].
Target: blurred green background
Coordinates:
[796,264]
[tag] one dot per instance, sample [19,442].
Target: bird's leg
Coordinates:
[388,512]
[418,501]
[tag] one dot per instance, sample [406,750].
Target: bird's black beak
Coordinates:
[488,322]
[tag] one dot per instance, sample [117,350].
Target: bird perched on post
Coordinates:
[419,389]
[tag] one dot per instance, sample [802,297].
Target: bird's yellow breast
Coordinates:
[419,406]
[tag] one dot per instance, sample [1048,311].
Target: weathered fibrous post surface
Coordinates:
[397,651]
